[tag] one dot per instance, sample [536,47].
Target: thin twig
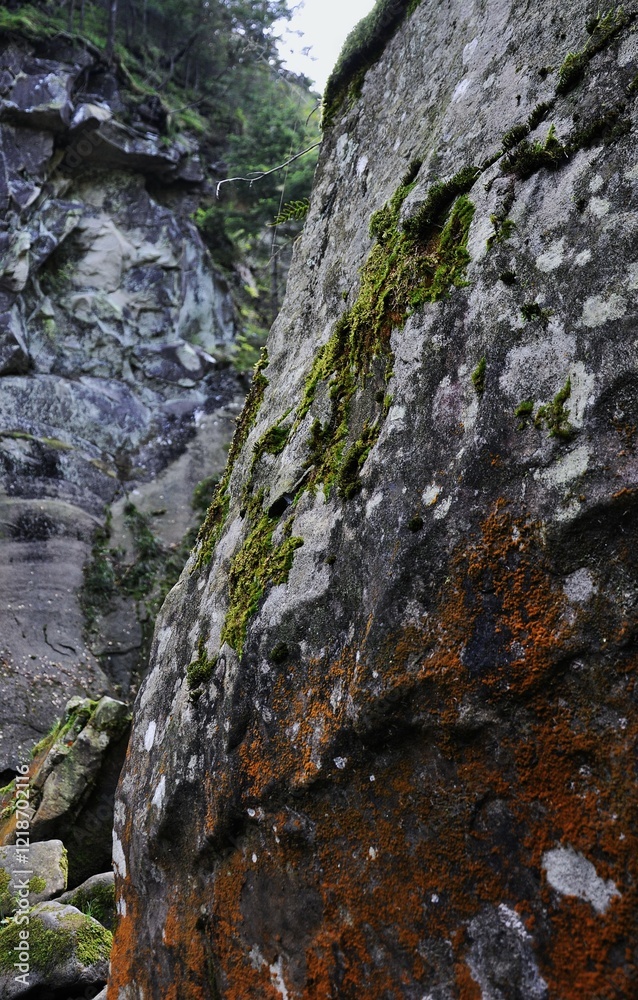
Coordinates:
[265,173]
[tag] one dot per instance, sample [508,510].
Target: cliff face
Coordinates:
[109,312]
[384,747]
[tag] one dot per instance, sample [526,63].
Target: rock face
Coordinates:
[111,316]
[384,747]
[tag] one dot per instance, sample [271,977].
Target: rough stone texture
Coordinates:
[71,782]
[47,872]
[114,326]
[97,894]
[394,761]
[68,955]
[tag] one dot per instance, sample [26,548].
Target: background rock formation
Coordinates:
[113,321]
[385,746]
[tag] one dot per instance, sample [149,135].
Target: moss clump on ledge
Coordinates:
[529,157]
[602,29]
[257,565]
[50,947]
[363,48]
[478,376]
[200,670]
[217,512]
[555,414]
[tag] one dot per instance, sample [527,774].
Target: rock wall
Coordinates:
[384,749]
[113,324]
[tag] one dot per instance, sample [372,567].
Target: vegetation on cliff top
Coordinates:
[363,47]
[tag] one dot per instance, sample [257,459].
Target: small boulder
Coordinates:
[95,897]
[35,873]
[63,952]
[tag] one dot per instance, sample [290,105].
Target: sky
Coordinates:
[324,25]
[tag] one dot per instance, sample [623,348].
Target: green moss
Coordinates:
[555,414]
[525,408]
[257,565]
[93,943]
[348,480]
[503,229]
[218,511]
[532,310]
[438,199]
[528,158]
[274,440]
[6,899]
[200,670]
[514,136]
[539,114]
[363,48]
[37,884]
[50,947]
[478,376]
[607,126]
[602,29]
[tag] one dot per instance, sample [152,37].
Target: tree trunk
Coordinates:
[71,14]
[110,40]
[82,8]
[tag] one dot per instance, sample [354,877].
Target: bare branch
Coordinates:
[260,174]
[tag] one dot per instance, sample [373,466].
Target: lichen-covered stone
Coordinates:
[71,782]
[40,877]
[399,767]
[67,954]
[96,897]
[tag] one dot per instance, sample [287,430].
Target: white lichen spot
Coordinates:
[469,51]
[461,90]
[571,874]
[336,694]
[442,510]
[579,586]
[119,861]
[160,792]
[489,82]
[149,738]
[255,957]
[553,257]
[373,503]
[121,907]
[632,277]
[277,978]
[254,859]
[431,494]
[596,183]
[582,258]
[340,762]
[362,165]
[568,467]
[372,777]
[598,310]
[372,853]
[599,207]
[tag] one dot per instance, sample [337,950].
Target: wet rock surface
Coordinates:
[383,749]
[114,330]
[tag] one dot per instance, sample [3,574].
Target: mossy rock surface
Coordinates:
[67,951]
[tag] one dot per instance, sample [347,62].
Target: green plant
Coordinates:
[200,670]
[293,211]
[528,157]
[478,376]
[602,29]
[555,414]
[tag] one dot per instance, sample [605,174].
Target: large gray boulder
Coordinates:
[384,748]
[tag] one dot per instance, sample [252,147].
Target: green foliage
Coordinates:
[37,884]
[439,198]
[602,29]
[200,670]
[217,512]
[503,229]
[514,136]
[555,414]
[524,410]
[293,211]
[362,49]
[478,376]
[528,158]
[274,440]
